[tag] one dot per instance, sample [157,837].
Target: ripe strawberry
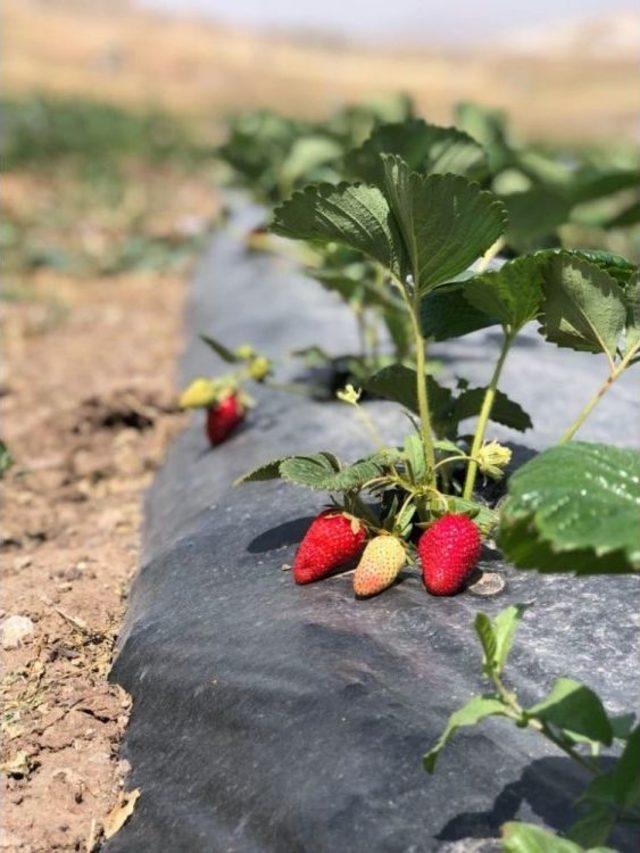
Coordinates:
[333,539]
[449,551]
[379,566]
[223,417]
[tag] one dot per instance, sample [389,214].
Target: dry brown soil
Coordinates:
[88,406]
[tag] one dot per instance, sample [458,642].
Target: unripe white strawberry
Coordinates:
[379,566]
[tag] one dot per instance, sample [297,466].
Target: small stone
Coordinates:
[14,630]
[22,563]
[487,584]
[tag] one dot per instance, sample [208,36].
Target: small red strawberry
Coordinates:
[379,566]
[223,417]
[449,551]
[332,540]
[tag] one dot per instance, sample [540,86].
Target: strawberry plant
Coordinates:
[424,232]
[271,156]
[223,398]
[573,718]
[553,199]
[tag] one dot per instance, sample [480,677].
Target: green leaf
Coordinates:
[618,267]
[592,183]
[266,471]
[399,330]
[626,218]
[425,148]
[496,637]
[306,155]
[583,307]
[512,294]
[397,382]
[322,471]
[632,299]
[505,625]
[312,471]
[414,453]
[339,281]
[476,709]
[576,709]
[445,313]
[221,350]
[446,221]
[353,214]
[574,508]
[593,828]
[447,447]
[489,128]
[620,788]
[528,838]
[534,216]
[504,410]
[354,282]
[483,516]
[355,476]
[488,641]
[622,725]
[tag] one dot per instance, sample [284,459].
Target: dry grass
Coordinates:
[117,52]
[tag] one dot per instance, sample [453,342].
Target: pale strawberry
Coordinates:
[379,566]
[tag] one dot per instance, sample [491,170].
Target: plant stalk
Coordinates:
[490,254]
[421,389]
[518,714]
[362,332]
[483,417]
[615,373]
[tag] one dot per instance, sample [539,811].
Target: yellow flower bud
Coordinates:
[349,395]
[259,368]
[492,458]
[199,394]
[245,352]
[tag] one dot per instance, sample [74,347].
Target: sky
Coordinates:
[448,21]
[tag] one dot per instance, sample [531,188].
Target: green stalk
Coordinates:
[362,331]
[516,712]
[421,388]
[483,417]
[615,373]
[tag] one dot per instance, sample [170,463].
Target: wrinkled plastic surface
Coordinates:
[271,717]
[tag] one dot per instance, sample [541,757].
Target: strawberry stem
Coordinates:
[614,374]
[421,387]
[483,417]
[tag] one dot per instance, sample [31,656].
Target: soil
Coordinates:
[87,411]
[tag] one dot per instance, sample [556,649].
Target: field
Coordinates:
[110,193]
[131,57]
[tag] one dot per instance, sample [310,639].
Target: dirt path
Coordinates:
[87,410]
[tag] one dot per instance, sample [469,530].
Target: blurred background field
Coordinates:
[111,110]
[571,81]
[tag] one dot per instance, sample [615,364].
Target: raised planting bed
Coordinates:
[274,717]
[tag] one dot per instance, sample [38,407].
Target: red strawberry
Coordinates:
[223,417]
[333,539]
[449,551]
